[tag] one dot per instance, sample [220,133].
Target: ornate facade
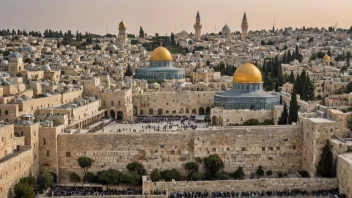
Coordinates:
[247,91]
[160,67]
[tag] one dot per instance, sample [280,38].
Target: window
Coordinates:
[243,148]
[294,147]
[118,103]
[68,154]
[112,103]
[271,148]
[263,148]
[277,148]
[6,112]
[47,153]
[270,158]
[44,141]
[187,110]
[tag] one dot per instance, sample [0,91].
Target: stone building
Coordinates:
[247,91]
[122,36]
[15,63]
[160,67]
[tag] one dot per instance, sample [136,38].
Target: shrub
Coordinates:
[170,174]
[269,172]
[222,175]
[74,178]
[45,180]
[90,178]
[251,122]
[260,171]
[238,174]
[155,175]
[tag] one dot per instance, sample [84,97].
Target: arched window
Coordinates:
[187,110]
[6,112]
[47,153]
[44,141]
[112,103]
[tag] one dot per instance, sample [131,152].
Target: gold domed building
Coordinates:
[247,91]
[160,67]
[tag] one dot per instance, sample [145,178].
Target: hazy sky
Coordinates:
[164,16]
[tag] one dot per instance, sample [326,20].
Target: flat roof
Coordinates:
[320,120]
[347,157]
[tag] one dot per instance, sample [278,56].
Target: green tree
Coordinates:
[292,77]
[169,175]
[324,166]
[191,168]
[284,115]
[172,39]
[110,176]
[29,180]
[45,180]
[90,177]
[238,174]
[260,171]
[251,122]
[349,87]
[85,163]
[293,113]
[74,178]
[24,190]
[155,175]
[128,71]
[269,172]
[27,60]
[135,166]
[212,164]
[131,178]
[320,54]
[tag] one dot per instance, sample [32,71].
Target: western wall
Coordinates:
[276,148]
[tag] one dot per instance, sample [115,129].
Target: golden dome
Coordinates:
[161,54]
[122,25]
[326,58]
[247,73]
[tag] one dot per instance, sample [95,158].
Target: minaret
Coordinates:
[244,27]
[197,27]
[122,37]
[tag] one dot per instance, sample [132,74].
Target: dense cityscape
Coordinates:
[225,114]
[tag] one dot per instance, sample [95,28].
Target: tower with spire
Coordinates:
[197,27]
[244,27]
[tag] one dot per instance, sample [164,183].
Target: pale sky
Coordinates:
[164,16]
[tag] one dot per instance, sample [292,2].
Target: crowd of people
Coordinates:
[284,193]
[157,123]
[58,191]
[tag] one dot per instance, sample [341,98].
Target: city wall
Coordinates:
[309,184]
[276,148]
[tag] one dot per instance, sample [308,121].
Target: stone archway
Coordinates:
[151,112]
[119,115]
[106,114]
[112,114]
[160,111]
[214,121]
[194,111]
[201,111]
[252,107]
[207,111]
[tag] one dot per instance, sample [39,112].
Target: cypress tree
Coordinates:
[303,85]
[293,113]
[297,52]
[292,78]
[324,167]
[297,84]
[289,56]
[329,53]
[284,58]
[283,119]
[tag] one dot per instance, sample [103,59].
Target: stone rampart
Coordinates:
[252,185]
[276,148]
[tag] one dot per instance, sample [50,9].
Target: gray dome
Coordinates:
[28,67]
[7,83]
[30,49]
[46,67]
[226,28]
[15,55]
[4,62]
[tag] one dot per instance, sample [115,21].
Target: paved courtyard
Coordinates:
[154,127]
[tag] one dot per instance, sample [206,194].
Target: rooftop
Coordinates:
[320,120]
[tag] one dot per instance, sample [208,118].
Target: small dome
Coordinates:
[247,73]
[46,67]
[15,55]
[161,54]
[122,25]
[28,67]
[326,58]
[4,62]
[226,28]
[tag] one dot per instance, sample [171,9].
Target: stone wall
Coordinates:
[224,117]
[344,173]
[273,147]
[12,170]
[243,185]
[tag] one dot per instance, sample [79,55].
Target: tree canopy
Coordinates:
[212,164]
[324,166]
